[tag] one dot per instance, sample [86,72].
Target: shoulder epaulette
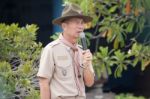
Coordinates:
[54,43]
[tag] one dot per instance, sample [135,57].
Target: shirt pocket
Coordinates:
[64,70]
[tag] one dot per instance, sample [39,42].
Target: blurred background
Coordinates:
[32,12]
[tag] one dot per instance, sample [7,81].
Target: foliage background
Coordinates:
[120,24]
[19,54]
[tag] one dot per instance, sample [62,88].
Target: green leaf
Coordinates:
[116,43]
[31,28]
[55,36]
[130,26]
[26,68]
[135,61]
[113,9]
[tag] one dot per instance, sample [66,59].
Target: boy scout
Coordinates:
[65,68]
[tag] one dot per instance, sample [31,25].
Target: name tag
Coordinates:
[62,57]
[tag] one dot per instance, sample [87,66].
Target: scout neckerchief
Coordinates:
[76,60]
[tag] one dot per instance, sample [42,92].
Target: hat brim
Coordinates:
[59,20]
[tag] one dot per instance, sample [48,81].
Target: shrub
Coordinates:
[19,54]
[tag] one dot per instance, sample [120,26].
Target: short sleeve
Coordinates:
[46,66]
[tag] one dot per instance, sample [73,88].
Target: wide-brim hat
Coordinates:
[71,11]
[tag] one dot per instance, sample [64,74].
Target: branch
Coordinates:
[97,36]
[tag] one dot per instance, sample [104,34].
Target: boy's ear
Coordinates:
[63,25]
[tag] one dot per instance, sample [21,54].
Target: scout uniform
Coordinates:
[57,65]
[60,63]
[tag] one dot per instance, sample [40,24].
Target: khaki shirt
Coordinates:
[56,64]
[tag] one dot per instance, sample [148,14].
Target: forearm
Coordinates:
[88,71]
[88,76]
[45,92]
[44,89]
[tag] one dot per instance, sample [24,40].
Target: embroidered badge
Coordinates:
[64,72]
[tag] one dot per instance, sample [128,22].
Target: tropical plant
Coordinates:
[120,23]
[19,54]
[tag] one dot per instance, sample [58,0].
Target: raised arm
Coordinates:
[88,71]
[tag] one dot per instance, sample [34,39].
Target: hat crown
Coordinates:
[71,10]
